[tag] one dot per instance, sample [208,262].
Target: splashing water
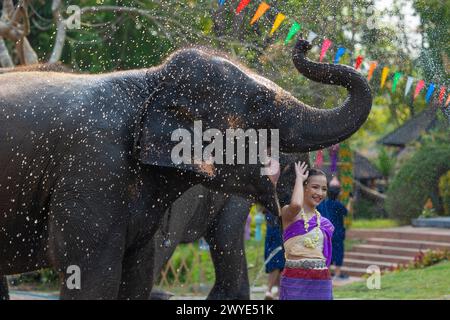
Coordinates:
[270,257]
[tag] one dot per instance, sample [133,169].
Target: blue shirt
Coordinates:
[334,211]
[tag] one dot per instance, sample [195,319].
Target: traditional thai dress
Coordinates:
[306,275]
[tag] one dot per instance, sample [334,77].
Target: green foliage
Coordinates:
[374,223]
[428,213]
[42,278]
[418,178]
[385,162]
[444,192]
[364,209]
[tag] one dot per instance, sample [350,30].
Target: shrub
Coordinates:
[444,191]
[424,259]
[416,180]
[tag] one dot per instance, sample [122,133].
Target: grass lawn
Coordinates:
[428,283]
[373,223]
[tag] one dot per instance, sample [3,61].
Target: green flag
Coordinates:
[294,29]
[397,77]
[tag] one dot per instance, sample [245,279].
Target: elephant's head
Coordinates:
[197,84]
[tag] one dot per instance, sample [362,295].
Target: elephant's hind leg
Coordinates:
[4,292]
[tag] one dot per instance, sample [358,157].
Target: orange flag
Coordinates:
[372,67]
[263,7]
[278,20]
[448,100]
[441,94]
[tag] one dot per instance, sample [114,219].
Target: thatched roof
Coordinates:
[362,168]
[411,129]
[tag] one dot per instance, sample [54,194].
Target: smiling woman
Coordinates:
[307,239]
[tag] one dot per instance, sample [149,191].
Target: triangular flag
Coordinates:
[325,46]
[221,2]
[408,85]
[242,5]
[397,77]
[384,75]
[372,67]
[278,20]
[311,36]
[429,92]
[359,60]
[339,53]
[419,86]
[263,7]
[292,32]
[441,94]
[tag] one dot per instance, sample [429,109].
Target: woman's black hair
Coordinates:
[314,172]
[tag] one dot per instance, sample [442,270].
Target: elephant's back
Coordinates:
[27,88]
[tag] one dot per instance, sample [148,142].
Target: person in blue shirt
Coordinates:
[335,211]
[274,249]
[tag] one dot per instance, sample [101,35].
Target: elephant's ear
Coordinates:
[153,142]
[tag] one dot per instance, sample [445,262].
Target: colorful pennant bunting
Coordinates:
[327,43]
[429,92]
[397,77]
[311,36]
[339,53]
[263,7]
[372,68]
[295,28]
[441,94]
[242,5]
[325,46]
[384,75]
[408,85]
[419,86]
[278,20]
[359,60]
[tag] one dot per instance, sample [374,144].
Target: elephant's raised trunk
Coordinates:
[311,128]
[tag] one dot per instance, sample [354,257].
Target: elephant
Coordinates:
[88,169]
[219,218]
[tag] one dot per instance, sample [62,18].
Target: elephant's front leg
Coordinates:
[137,272]
[226,239]
[86,245]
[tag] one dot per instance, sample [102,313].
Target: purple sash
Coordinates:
[297,229]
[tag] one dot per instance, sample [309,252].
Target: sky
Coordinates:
[412,21]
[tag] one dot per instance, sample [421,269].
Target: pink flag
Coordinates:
[420,85]
[325,46]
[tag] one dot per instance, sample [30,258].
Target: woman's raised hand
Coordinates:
[274,171]
[301,171]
